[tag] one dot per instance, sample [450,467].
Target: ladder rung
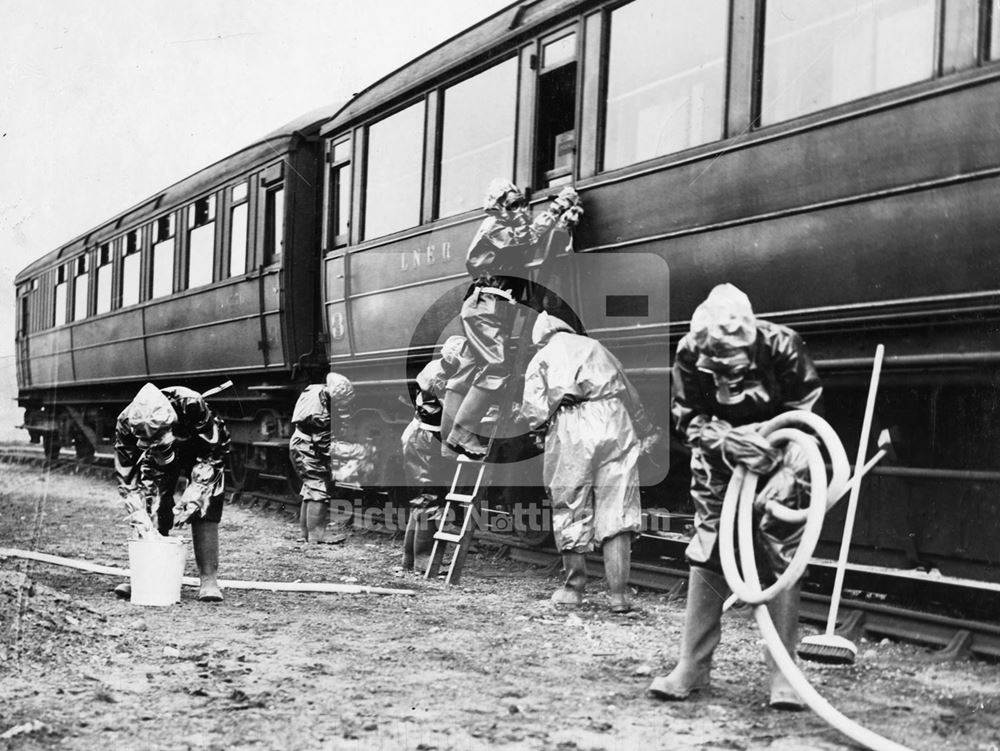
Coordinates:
[460,497]
[447,537]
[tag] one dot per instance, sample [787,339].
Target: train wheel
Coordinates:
[534,527]
[84,449]
[243,473]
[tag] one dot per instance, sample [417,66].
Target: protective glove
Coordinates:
[567,199]
[194,500]
[138,517]
[742,445]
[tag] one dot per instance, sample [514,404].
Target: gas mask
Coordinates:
[160,449]
[729,373]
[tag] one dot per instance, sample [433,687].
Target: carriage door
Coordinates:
[23,322]
[556,110]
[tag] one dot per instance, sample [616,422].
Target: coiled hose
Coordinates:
[737,518]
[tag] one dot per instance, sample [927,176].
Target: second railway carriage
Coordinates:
[213,278]
[838,161]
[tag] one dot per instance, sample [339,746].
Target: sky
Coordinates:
[105,102]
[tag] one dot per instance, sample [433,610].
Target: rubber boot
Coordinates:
[707,590]
[317,517]
[411,525]
[464,436]
[205,536]
[571,592]
[423,536]
[617,552]
[784,610]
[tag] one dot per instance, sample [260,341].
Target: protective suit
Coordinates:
[161,436]
[423,463]
[320,416]
[504,243]
[595,428]
[732,372]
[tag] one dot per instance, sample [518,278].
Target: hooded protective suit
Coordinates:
[321,414]
[733,370]
[504,243]
[164,434]
[423,461]
[578,388]
[422,458]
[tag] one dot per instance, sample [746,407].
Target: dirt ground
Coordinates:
[490,663]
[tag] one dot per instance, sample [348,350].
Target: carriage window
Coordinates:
[274,225]
[103,279]
[477,142]
[81,288]
[674,98]
[130,269]
[61,289]
[340,193]
[392,187]
[163,256]
[201,241]
[556,117]
[239,217]
[818,54]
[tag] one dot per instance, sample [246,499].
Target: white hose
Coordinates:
[739,501]
[192,581]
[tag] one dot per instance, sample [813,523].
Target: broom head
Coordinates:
[828,648]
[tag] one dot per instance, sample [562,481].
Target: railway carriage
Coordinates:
[840,162]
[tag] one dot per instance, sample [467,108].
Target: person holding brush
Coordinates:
[733,371]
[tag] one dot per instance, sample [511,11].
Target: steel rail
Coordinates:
[954,637]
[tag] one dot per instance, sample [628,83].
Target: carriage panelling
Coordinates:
[934,138]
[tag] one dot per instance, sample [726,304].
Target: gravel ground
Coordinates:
[490,663]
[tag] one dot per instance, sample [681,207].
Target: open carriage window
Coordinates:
[556,113]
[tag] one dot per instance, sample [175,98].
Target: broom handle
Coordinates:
[852,501]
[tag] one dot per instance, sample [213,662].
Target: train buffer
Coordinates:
[469,505]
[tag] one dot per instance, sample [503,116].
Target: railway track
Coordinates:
[878,602]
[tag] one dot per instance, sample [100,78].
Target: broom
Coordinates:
[828,647]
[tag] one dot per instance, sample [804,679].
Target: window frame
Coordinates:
[190,213]
[423,100]
[339,168]
[232,204]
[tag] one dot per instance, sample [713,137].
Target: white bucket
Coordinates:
[156,568]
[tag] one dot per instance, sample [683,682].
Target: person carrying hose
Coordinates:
[733,371]
[596,429]
[320,416]
[504,243]
[423,462]
[161,436]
